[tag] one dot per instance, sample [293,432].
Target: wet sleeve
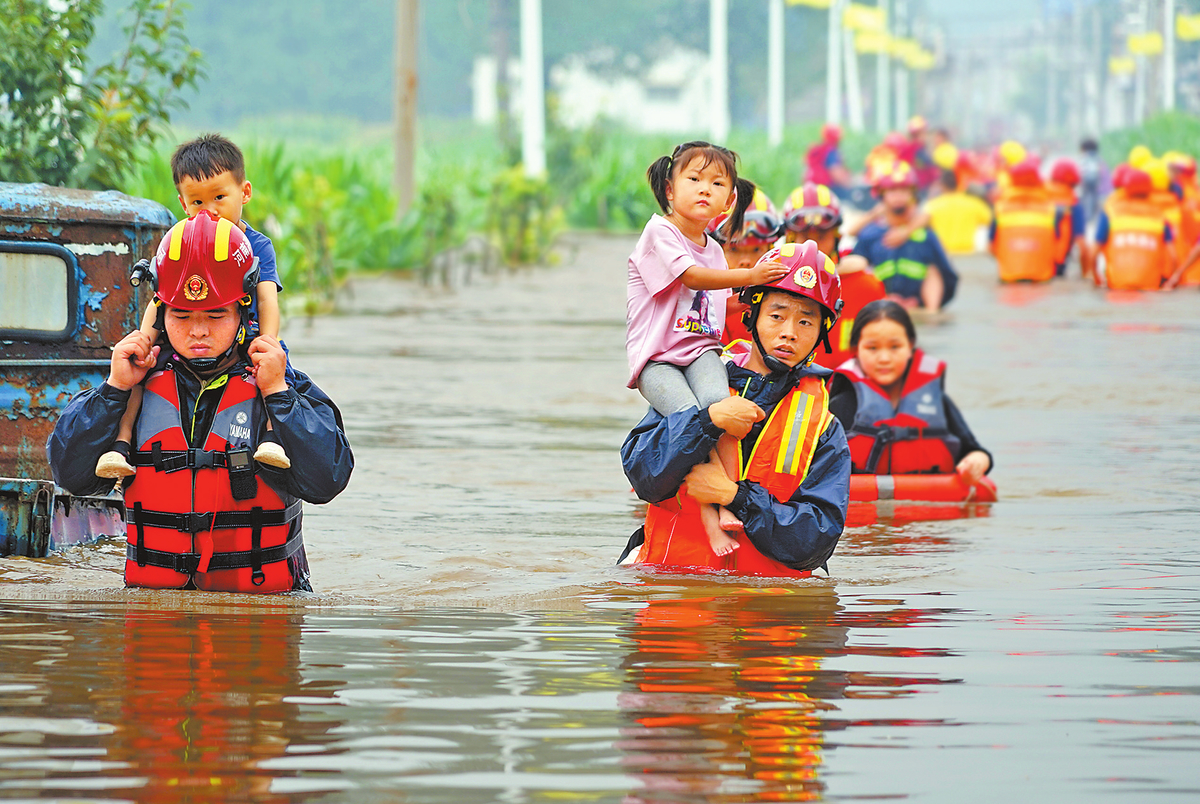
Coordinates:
[940,261]
[804,531]
[309,426]
[1078,221]
[659,452]
[843,402]
[86,430]
[958,427]
[1102,229]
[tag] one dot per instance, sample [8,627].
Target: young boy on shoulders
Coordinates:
[210,174]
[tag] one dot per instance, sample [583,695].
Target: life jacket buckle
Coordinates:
[196,521]
[202,459]
[186,563]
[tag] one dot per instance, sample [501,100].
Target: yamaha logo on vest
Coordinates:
[926,405]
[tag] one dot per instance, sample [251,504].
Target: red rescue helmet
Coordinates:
[895,142]
[901,175]
[1025,174]
[1119,175]
[812,275]
[1065,171]
[916,124]
[812,206]
[761,222]
[1137,182]
[831,133]
[204,262]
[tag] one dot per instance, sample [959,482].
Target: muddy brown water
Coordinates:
[471,640]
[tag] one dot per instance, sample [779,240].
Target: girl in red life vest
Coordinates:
[892,402]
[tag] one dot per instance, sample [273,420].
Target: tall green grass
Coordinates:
[1168,131]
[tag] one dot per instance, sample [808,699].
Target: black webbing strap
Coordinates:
[186,563]
[197,522]
[174,460]
[256,552]
[886,435]
[140,555]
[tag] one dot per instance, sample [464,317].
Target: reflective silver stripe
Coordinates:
[885,485]
[797,429]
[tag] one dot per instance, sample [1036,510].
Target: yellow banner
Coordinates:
[1187,27]
[811,3]
[872,42]
[858,17]
[922,59]
[1122,65]
[1147,44]
[904,49]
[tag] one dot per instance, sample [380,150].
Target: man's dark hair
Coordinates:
[207,156]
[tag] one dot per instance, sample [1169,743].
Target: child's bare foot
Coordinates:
[728,521]
[115,462]
[272,454]
[722,544]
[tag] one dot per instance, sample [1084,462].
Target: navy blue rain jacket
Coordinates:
[305,420]
[801,533]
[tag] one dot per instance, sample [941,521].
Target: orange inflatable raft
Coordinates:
[899,499]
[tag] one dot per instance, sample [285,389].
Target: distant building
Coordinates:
[671,95]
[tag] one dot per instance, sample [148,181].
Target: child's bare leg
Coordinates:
[722,543]
[115,462]
[726,456]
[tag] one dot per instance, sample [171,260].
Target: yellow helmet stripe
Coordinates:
[823,195]
[221,247]
[176,246]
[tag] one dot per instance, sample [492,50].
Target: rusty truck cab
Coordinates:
[65,299]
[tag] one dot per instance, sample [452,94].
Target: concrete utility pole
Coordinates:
[533,97]
[901,30]
[854,104]
[833,65]
[1168,65]
[718,58]
[883,69]
[775,101]
[404,177]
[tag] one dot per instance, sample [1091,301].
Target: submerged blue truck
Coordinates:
[65,299]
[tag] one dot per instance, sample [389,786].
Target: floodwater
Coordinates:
[471,640]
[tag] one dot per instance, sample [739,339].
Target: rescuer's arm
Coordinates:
[802,532]
[309,426]
[1188,261]
[85,431]
[658,454]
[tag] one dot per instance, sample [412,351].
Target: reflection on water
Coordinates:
[705,694]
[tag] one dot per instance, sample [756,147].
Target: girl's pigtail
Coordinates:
[745,197]
[659,175]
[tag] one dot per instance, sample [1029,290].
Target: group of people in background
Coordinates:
[1134,228]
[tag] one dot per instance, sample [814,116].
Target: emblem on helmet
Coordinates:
[195,289]
[806,277]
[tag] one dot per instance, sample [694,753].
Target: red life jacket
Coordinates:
[779,461]
[858,289]
[231,545]
[912,438]
[817,155]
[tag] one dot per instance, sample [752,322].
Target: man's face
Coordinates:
[202,333]
[826,239]
[744,253]
[898,199]
[788,326]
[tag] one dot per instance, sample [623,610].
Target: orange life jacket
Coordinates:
[1135,255]
[779,461]
[1181,216]
[1028,243]
[232,545]
[913,437]
[858,289]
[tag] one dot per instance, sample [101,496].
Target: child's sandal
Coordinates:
[272,454]
[115,463]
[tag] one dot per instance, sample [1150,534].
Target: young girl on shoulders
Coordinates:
[678,285]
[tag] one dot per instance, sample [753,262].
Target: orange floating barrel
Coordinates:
[932,488]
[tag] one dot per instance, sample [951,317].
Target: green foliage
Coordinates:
[60,124]
[1167,131]
[522,216]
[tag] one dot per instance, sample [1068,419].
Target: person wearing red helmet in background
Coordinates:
[761,227]
[917,273]
[1183,175]
[1133,235]
[794,485]
[1028,229]
[812,213]
[1064,178]
[824,161]
[1168,196]
[916,153]
[207,399]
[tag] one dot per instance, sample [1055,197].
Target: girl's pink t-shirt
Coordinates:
[666,321]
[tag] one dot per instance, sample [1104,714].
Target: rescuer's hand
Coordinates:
[708,483]
[735,415]
[269,364]
[132,357]
[973,465]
